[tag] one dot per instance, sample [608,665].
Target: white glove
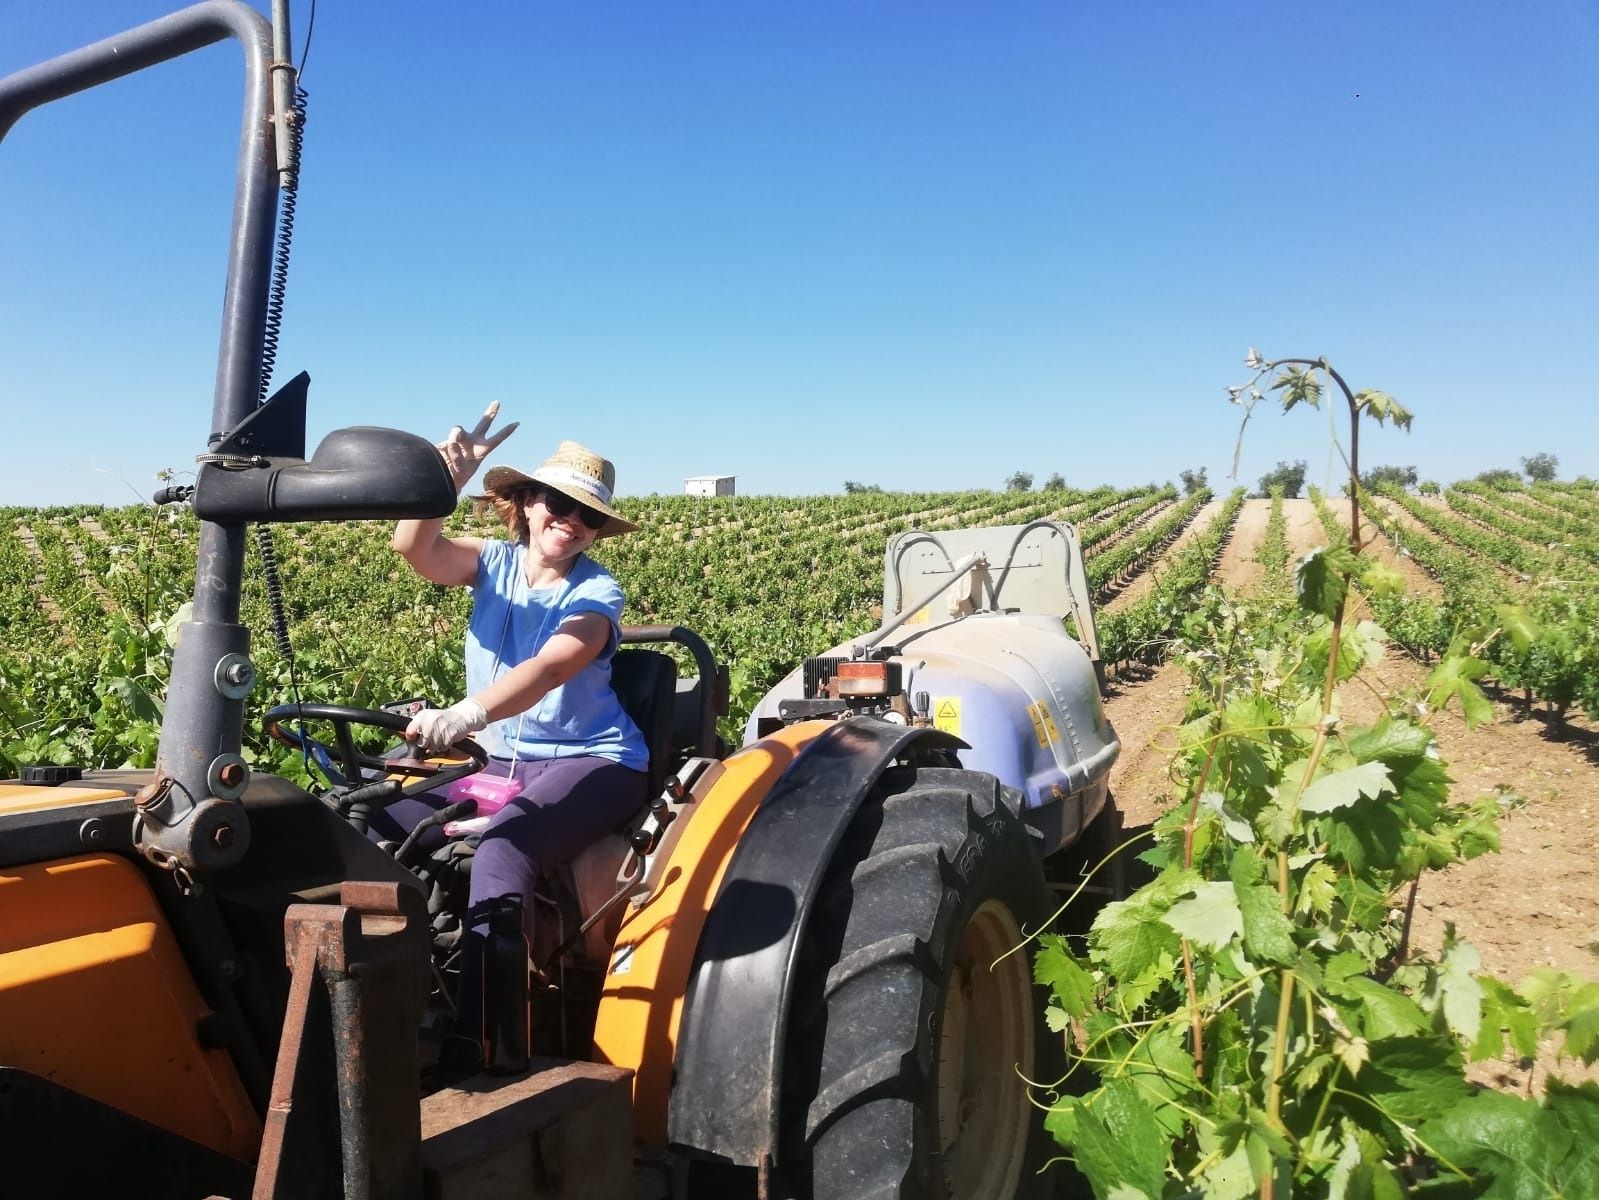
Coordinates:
[437,729]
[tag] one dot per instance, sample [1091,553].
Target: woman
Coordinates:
[546,620]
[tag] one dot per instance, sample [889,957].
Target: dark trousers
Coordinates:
[566,805]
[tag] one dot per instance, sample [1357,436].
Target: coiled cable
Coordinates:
[289,196]
[289,192]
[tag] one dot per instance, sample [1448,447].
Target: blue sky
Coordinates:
[918,245]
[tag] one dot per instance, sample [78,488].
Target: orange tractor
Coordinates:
[800,971]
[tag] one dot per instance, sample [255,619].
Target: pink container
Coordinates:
[492,792]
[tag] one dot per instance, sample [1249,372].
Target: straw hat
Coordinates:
[575,471]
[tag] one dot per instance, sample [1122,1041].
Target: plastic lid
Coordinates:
[50,775]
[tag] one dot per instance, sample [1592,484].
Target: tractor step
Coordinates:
[560,1131]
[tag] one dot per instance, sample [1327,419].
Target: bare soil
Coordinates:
[1240,563]
[1534,904]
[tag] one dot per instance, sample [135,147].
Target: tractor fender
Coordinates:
[728,1077]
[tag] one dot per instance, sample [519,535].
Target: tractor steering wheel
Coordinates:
[424,776]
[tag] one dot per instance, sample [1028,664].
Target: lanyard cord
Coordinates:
[520,584]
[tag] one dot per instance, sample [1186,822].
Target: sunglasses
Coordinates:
[559,504]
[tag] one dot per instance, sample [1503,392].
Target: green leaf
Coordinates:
[1230,1178]
[1527,1152]
[1581,1026]
[1382,408]
[1162,1068]
[1391,740]
[1316,890]
[1268,934]
[1132,994]
[1232,824]
[1361,1171]
[1518,625]
[1454,677]
[1128,936]
[1211,918]
[1381,580]
[1298,386]
[1072,987]
[1322,579]
[1119,1142]
[1339,789]
[1061,1120]
[1455,991]
[1383,1012]
[173,628]
[1411,1079]
[1371,835]
[1504,1012]
[140,703]
[1475,707]
[1422,785]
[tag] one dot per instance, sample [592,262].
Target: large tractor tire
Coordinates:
[911,1047]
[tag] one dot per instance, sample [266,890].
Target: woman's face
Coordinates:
[555,539]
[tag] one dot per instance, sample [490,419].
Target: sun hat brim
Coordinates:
[502,481]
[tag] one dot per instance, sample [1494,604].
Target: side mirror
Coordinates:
[364,473]
[358,474]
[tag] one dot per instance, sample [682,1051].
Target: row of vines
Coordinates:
[90,599]
[1519,580]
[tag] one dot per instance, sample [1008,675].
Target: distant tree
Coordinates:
[1501,479]
[1429,487]
[1290,477]
[1399,477]
[1540,468]
[1193,481]
[1019,481]
[1055,483]
[852,488]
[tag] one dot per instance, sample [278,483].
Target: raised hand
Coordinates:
[464,451]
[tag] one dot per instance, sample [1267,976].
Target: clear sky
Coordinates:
[920,245]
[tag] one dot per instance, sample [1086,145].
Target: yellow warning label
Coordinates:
[920,617]
[947,714]
[1043,724]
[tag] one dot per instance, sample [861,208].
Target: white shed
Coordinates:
[708,485]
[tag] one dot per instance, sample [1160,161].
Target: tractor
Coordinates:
[800,971]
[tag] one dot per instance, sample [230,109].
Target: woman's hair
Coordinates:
[509,507]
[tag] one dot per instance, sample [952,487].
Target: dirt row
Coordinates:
[1536,903]
[1145,580]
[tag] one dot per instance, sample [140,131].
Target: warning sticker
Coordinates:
[947,714]
[920,617]
[623,962]
[1043,724]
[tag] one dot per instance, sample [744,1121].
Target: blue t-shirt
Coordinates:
[510,623]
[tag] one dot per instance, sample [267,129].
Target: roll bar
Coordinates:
[190,818]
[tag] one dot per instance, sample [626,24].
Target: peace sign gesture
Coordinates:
[464,452]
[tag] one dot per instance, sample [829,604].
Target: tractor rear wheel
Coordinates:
[915,1033]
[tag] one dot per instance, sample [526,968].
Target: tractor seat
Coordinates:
[646,683]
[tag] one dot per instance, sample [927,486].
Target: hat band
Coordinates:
[587,483]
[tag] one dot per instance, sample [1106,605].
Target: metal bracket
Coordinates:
[348,1054]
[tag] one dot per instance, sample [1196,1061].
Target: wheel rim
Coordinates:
[985,1044]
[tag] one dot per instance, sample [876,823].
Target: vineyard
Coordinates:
[1468,637]
[766,581]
